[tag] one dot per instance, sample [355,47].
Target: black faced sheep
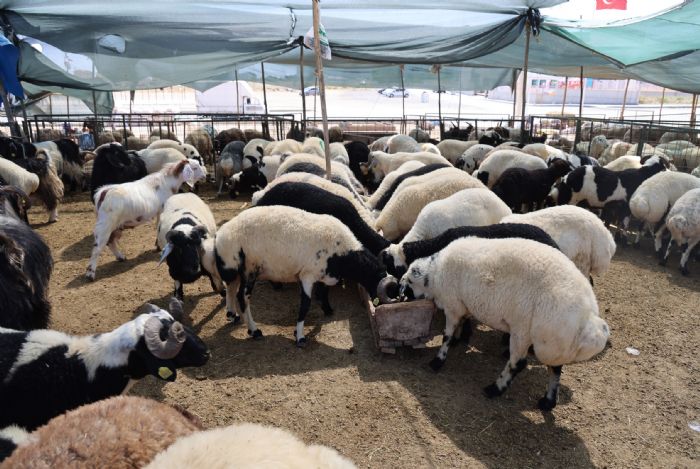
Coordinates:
[540,298]
[399,180]
[14,202]
[286,244]
[230,162]
[521,188]
[119,432]
[382,163]
[472,157]
[358,153]
[491,137]
[113,165]
[498,161]
[388,181]
[82,369]
[185,234]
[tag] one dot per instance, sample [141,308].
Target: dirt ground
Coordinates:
[618,410]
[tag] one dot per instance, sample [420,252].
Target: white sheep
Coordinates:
[430,147]
[247,445]
[617,149]
[283,146]
[186,149]
[389,180]
[543,151]
[339,153]
[313,146]
[340,173]
[473,157]
[519,286]
[624,162]
[122,206]
[402,144]
[696,172]
[654,198]
[598,145]
[581,235]
[453,149]
[156,158]
[683,222]
[382,163]
[256,148]
[469,207]
[498,161]
[402,210]
[15,175]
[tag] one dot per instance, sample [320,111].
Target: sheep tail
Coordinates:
[50,190]
[640,206]
[677,223]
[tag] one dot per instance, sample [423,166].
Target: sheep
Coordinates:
[380,144]
[14,202]
[25,271]
[624,162]
[419,135]
[15,175]
[313,132]
[136,143]
[696,172]
[230,162]
[543,151]
[683,222]
[401,212]
[519,187]
[497,162]
[518,286]
[598,145]
[122,431]
[255,149]
[382,163]
[315,199]
[113,165]
[335,134]
[614,151]
[313,146]
[83,369]
[667,137]
[284,146]
[599,187]
[10,438]
[469,207]
[358,153]
[286,244]
[404,180]
[247,445]
[126,205]
[491,137]
[388,181]
[429,147]
[159,134]
[472,157]
[654,198]
[339,153]
[105,137]
[340,174]
[580,235]
[251,134]
[156,159]
[185,234]
[401,144]
[43,135]
[452,150]
[201,141]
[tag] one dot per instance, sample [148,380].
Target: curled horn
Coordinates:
[163,349]
[388,290]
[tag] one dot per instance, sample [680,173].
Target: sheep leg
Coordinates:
[549,401]
[306,289]
[102,233]
[322,296]
[516,364]
[451,322]
[659,237]
[220,180]
[114,247]
[244,294]
[664,258]
[179,294]
[464,333]
[53,215]
[686,255]
[233,311]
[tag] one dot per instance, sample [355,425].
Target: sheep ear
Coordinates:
[201,231]
[14,254]
[180,167]
[260,149]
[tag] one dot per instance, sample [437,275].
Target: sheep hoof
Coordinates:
[53,220]
[662,262]
[546,405]
[685,271]
[436,363]
[492,391]
[122,259]
[90,275]
[301,343]
[256,334]
[233,317]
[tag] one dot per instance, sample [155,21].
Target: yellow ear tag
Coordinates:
[165,372]
[375,302]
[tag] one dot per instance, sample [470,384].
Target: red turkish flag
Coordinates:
[611,5]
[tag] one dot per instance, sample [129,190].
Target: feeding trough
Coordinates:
[400,324]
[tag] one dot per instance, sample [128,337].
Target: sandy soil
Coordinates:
[618,410]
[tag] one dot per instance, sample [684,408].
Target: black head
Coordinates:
[17,199]
[184,261]
[9,149]
[483,176]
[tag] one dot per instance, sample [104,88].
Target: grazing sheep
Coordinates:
[498,161]
[402,144]
[201,141]
[470,207]
[339,153]
[122,206]
[380,144]
[522,188]
[25,271]
[286,244]
[315,199]
[185,234]
[580,235]
[113,165]
[79,370]
[382,163]
[683,222]
[518,286]
[314,146]
[654,198]
[401,212]
[472,157]
[119,432]
[358,153]
[452,150]
[406,179]
[340,174]
[388,181]
[543,151]
[247,445]
[624,162]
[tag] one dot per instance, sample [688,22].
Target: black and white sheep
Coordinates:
[14,202]
[114,165]
[185,234]
[683,222]
[45,373]
[399,184]
[358,153]
[68,156]
[472,157]
[524,188]
[230,162]
[382,163]
[539,298]
[497,162]
[340,173]
[388,181]
[286,244]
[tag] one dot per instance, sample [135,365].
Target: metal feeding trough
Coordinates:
[400,324]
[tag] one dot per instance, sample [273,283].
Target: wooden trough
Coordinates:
[400,324]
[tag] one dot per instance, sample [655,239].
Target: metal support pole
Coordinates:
[566,90]
[580,110]
[126,139]
[301,78]
[663,95]
[266,124]
[624,100]
[94,106]
[403,102]
[525,65]
[321,85]
[693,110]
[459,102]
[238,99]
[442,127]
[26,124]
[68,107]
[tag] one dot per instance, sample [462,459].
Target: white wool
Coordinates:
[430,147]
[474,156]
[283,146]
[624,162]
[519,286]
[402,144]
[185,148]
[339,153]
[247,446]
[543,151]
[389,180]
[251,148]
[179,206]
[17,435]
[16,175]
[683,222]
[338,170]
[383,163]
[156,158]
[400,213]
[498,161]
[580,235]
[313,146]
[453,149]
[598,145]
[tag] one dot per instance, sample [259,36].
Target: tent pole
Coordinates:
[301,78]
[94,103]
[321,85]
[68,107]
[525,65]
[238,99]
[566,89]
[661,108]
[266,125]
[624,100]
[403,103]
[8,111]
[459,102]
[580,110]
[442,127]
[27,127]
[515,98]
[693,111]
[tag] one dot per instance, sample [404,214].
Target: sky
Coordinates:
[585,9]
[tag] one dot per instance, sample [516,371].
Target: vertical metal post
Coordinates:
[459,102]
[525,66]
[126,139]
[693,110]
[266,124]
[624,100]
[403,102]
[238,99]
[663,95]
[566,90]
[301,78]
[442,127]
[68,107]
[94,107]
[26,124]
[580,109]
[321,85]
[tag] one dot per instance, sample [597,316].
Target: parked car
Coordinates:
[394,91]
[310,91]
